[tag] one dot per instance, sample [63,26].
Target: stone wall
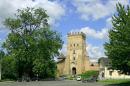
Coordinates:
[60,68]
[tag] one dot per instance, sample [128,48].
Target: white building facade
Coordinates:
[106,73]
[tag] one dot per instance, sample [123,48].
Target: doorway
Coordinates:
[73,71]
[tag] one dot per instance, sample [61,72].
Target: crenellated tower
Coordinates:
[77,60]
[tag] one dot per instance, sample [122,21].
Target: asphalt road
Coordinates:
[49,83]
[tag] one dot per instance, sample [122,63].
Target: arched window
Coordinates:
[92,64]
[73,51]
[73,58]
[74,45]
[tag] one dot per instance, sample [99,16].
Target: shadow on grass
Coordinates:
[120,84]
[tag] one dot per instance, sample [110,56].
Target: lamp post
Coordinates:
[37,77]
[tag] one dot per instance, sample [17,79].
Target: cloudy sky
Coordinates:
[93,17]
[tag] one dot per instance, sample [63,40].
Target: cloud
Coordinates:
[95,52]
[90,32]
[54,9]
[102,34]
[96,9]
[109,22]
[8,8]
[64,49]
[3,34]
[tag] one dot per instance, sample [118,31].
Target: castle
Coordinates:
[77,60]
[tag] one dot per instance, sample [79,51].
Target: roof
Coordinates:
[61,56]
[104,61]
[60,60]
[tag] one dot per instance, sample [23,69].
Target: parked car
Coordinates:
[90,79]
[78,78]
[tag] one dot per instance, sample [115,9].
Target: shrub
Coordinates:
[89,74]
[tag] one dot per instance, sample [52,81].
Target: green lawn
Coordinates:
[119,82]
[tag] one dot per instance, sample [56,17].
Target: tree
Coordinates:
[32,43]
[118,46]
[1,57]
[8,68]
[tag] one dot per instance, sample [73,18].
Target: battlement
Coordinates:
[76,33]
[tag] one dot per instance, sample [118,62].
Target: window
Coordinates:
[102,74]
[92,64]
[73,51]
[110,73]
[73,58]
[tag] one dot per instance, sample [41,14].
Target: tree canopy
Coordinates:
[32,44]
[118,46]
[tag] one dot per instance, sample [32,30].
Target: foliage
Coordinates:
[48,69]
[32,44]
[118,46]
[70,78]
[2,54]
[8,68]
[89,74]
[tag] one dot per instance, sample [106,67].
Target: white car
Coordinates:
[78,78]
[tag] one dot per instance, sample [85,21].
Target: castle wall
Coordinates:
[60,67]
[95,67]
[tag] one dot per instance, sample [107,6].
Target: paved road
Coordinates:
[49,83]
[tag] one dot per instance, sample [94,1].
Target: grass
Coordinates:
[7,80]
[116,82]
[89,74]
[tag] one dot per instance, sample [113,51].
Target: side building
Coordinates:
[77,60]
[107,73]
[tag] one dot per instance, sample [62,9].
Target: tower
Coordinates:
[77,60]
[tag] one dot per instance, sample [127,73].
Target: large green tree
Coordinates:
[118,46]
[32,44]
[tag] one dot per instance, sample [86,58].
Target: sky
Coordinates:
[93,17]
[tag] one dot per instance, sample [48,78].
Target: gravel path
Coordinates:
[49,83]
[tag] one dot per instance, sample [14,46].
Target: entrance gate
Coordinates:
[73,71]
